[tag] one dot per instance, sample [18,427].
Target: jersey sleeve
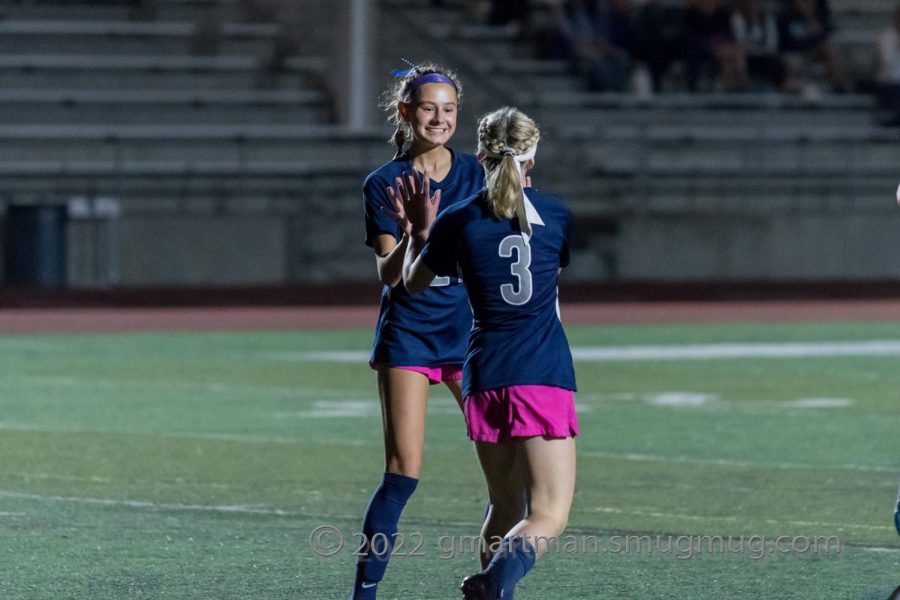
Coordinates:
[439,253]
[379,219]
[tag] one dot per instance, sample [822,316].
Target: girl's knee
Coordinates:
[556,519]
[399,464]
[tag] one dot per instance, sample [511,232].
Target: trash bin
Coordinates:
[36,245]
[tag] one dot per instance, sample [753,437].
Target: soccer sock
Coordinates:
[379,527]
[510,564]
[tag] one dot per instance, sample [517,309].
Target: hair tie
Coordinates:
[403,72]
[509,152]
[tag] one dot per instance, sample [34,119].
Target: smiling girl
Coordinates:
[419,340]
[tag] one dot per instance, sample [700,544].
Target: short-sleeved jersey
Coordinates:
[431,328]
[517,337]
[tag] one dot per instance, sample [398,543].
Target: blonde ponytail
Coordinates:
[504,185]
[503,135]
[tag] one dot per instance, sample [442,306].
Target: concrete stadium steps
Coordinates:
[613,148]
[241,143]
[111,37]
[525,73]
[762,196]
[603,156]
[123,10]
[505,58]
[172,185]
[162,107]
[554,109]
[61,71]
[283,186]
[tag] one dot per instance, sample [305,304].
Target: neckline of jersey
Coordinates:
[448,178]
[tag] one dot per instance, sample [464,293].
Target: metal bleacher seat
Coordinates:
[123,10]
[161,106]
[104,71]
[154,142]
[104,97]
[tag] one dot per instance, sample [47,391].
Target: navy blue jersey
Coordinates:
[517,338]
[431,328]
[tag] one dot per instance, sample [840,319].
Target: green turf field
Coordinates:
[194,465]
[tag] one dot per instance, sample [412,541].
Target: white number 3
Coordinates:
[510,293]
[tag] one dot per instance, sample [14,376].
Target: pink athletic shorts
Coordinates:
[434,374]
[521,411]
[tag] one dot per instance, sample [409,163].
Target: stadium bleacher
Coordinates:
[140,104]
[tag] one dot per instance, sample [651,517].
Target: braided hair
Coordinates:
[403,91]
[508,132]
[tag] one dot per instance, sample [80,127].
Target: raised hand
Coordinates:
[398,211]
[419,206]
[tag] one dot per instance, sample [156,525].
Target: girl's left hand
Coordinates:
[419,207]
[399,212]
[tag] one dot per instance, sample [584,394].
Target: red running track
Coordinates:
[110,320]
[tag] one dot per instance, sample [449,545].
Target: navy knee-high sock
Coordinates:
[510,564]
[379,527]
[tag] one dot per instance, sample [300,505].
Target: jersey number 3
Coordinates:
[520,293]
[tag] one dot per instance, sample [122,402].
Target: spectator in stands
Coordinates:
[805,29]
[710,48]
[660,37]
[599,37]
[755,28]
[888,72]
[512,14]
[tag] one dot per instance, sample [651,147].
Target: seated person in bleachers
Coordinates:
[755,27]
[709,45]
[805,29]
[598,36]
[888,72]
[660,37]
[512,14]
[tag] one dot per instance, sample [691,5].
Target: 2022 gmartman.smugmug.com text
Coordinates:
[329,540]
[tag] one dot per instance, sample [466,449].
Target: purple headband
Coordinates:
[421,80]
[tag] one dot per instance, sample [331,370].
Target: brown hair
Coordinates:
[403,91]
[510,132]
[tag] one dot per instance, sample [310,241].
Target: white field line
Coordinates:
[725,462]
[282,439]
[257,510]
[687,517]
[221,388]
[148,504]
[673,352]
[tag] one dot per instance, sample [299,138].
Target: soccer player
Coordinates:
[508,243]
[418,340]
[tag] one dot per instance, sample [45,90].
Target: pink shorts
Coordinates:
[434,374]
[521,411]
